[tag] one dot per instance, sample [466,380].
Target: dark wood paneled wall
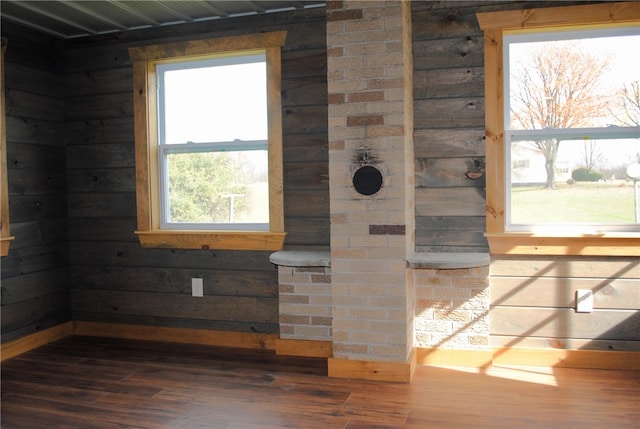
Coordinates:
[532,297]
[35,286]
[77,97]
[448,83]
[533,302]
[449,127]
[115,280]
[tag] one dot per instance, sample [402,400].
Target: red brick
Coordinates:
[286,288]
[336,98]
[320,279]
[353,121]
[387,229]
[365,96]
[335,52]
[321,321]
[344,15]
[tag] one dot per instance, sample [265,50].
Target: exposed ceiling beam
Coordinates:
[134,12]
[219,12]
[34,8]
[90,12]
[256,7]
[175,12]
[30,24]
[69,19]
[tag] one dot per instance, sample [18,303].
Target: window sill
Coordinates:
[4,245]
[301,258]
[448,261]
[220,240]
[602,244]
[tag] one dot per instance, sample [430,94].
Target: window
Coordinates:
[209,143]
[562,120]
[5,235]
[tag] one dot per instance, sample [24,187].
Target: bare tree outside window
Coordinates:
[556,85]
[573,105]
[592,154]
[627,111]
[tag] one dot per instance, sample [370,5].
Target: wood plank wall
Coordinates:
[113,279]
[449,127]
[532,298]
[533,302]
[35,288]
[449,122]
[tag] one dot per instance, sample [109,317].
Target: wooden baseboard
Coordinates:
[247,340]
[33,341]
[448,357]
[339,368]
[590,359]
[401,372]
[308,348]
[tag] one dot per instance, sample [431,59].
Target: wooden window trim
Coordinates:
[146,144]
[5,233]
[494,26]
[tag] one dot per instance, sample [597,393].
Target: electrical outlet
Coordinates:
[584,301]
[196,287]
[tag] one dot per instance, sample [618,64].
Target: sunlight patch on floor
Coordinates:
[537,375]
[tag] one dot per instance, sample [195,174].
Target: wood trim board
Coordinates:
[339,368]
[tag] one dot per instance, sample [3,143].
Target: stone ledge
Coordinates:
[448,261]
[301,258]
[436,260]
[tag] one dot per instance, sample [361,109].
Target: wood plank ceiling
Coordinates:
[67,19]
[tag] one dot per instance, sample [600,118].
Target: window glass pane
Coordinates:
[573,79]
[226,187]
[216,101]
[586,184]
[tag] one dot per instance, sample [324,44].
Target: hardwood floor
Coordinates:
[83,382]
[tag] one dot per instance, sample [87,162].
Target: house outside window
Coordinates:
[209,143]
[562,125]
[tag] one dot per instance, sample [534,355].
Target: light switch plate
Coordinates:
[584,301]
[196,287]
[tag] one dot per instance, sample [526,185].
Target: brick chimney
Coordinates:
[371,173]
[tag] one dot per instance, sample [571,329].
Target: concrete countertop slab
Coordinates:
[301,258]
[448,261]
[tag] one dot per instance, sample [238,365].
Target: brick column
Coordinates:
[452,308]
[305,302]
[371,124]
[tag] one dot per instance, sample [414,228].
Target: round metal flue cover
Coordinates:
[367,180]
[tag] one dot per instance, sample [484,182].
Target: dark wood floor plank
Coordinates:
[84,382]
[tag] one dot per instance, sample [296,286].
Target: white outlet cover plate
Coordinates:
[196,287]
[584,301]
